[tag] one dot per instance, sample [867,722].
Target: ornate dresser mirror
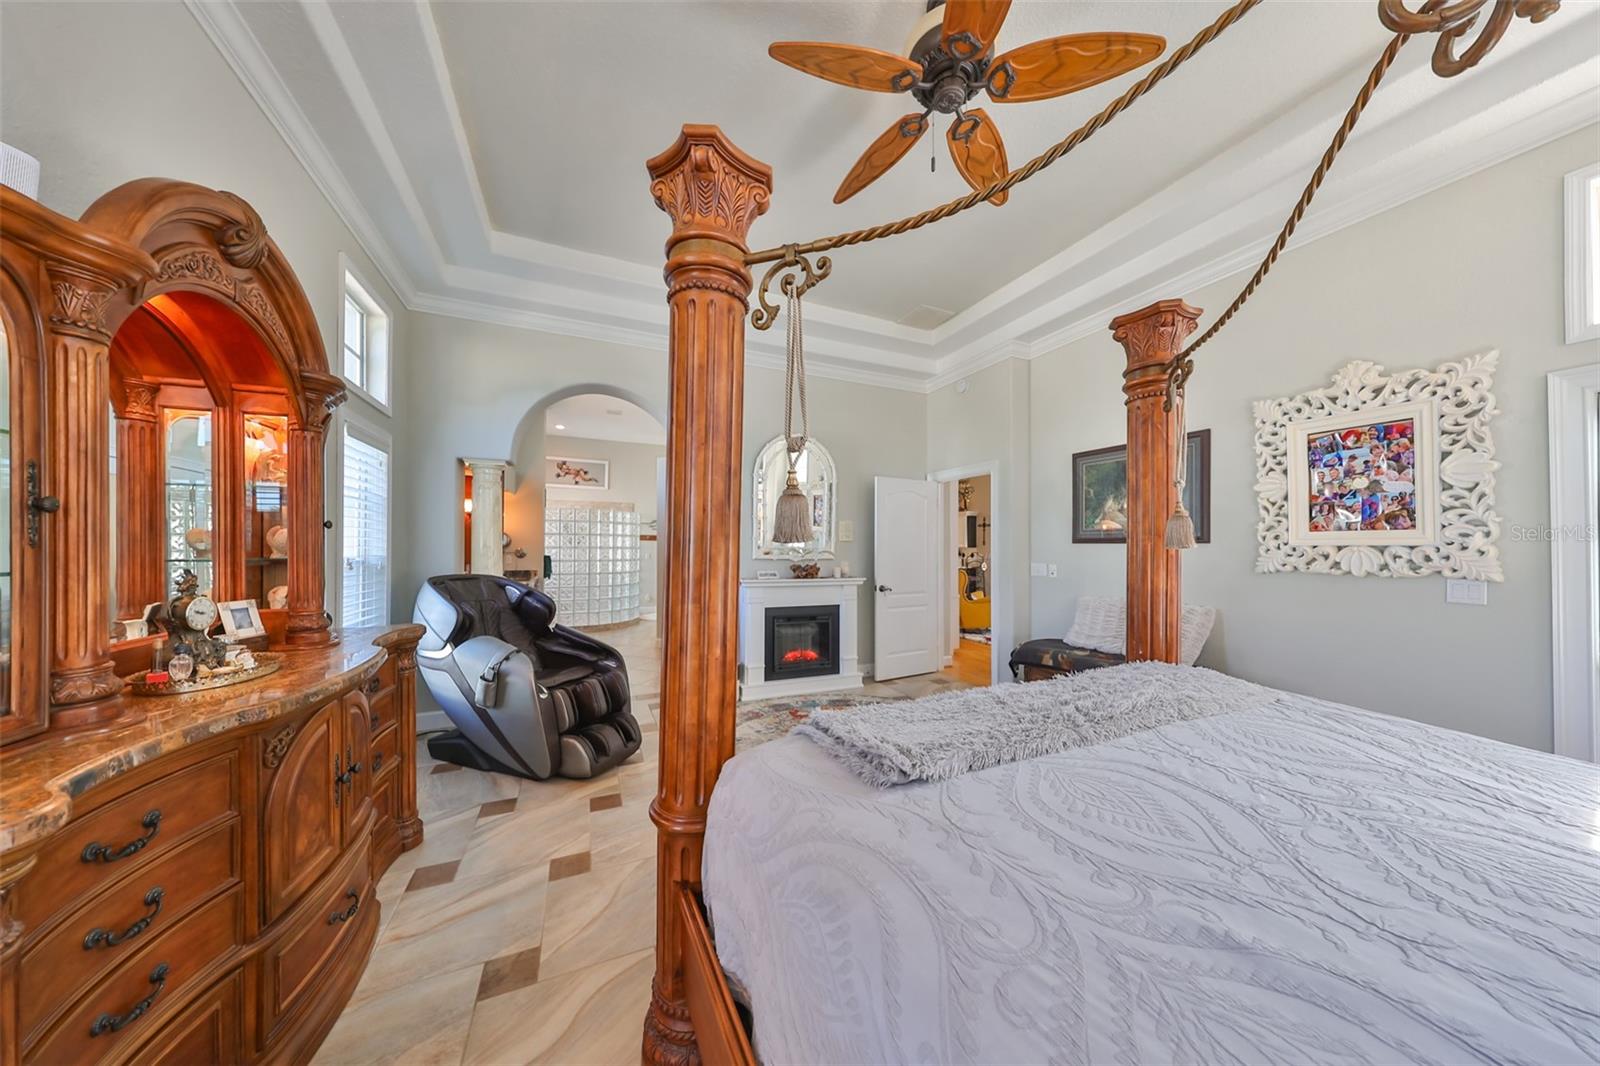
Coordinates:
[818,480]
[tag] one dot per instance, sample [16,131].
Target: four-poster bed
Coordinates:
[713,192]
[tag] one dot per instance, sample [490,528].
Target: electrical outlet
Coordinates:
[1036,569]
[1471,593]
[1052,570]
[847,530]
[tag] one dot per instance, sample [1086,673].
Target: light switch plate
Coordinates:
[1472,593]
[1052,570]
[1036,569]
[847,530]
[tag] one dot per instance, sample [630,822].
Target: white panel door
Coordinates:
[905,570]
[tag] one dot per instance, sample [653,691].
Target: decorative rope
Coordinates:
[1183,366]
[795,370]
[791,518]
[1016,177]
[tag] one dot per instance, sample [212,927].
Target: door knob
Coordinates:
[885,588]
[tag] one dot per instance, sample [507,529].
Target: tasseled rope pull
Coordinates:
[791,524]
[1180,527]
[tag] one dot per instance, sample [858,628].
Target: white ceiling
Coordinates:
[491,156]
[597,417]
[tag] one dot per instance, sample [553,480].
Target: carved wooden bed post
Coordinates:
[713,192]
[1151,338]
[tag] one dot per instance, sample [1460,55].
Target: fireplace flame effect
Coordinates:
[801,655]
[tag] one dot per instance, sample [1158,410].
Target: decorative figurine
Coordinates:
[187,618]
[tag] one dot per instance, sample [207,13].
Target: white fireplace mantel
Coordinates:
[756,595]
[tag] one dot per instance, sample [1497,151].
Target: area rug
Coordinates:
[762,720]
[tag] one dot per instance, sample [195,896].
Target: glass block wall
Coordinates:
[594,562]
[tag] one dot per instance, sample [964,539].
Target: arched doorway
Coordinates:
[591,471]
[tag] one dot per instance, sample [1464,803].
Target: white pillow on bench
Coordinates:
[1101,624]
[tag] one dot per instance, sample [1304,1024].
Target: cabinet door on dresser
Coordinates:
[24,703]
[356,770]
[301,828]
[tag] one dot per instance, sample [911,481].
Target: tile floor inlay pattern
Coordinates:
[522,929]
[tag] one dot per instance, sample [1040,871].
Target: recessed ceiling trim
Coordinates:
[1421,134]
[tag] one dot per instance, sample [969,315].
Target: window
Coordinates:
[1583,254]
[364,573]
[363,339]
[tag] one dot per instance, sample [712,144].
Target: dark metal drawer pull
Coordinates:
[373,721]
[377,762]
[349,912]
[111,1023]
[105,853]
[373,684]
[98,937]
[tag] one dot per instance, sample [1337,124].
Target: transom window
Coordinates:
[364,341]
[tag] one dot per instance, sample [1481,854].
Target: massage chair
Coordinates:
[527,697]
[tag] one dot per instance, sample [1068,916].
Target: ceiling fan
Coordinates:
[953,62]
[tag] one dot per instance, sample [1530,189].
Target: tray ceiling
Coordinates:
[491,156]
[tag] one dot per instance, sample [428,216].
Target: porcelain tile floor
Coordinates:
[522,930]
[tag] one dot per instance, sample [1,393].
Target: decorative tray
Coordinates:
[266,663]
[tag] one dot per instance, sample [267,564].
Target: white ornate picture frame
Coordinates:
[1457,523]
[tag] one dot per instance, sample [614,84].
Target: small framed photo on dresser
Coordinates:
[240,619]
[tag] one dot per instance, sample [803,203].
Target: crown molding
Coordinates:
[1428,134]
[222,23]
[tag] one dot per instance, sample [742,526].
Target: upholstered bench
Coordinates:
[1098,638]
[1038,660]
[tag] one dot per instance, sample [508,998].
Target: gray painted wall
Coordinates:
[1474,265]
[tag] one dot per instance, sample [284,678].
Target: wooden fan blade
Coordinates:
[979,19]
[849,64]
[979,152]
[882,154]
[1061,65]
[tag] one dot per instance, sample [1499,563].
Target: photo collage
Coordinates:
[1363,478]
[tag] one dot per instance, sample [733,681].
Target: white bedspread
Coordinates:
[1302,883]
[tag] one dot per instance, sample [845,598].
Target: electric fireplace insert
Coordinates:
[802,642]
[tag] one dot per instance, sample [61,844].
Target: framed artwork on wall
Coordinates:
[1100,492]
[1382,475]
[573,473]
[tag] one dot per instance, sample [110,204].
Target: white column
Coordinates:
[488,514]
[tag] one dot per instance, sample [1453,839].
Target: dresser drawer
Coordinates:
[382,705]
[206,1032]
[139,907]
[324,923]
[134,1000]
[385,752]
[124,834]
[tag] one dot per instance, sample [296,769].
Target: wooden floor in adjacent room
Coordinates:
[522,930]
[972,665]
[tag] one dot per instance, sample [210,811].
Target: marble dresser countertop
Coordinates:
[39,781]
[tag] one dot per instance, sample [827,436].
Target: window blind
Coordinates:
[365,598]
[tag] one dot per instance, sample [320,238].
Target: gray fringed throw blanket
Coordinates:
[939,737]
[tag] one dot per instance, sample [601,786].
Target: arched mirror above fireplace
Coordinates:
[819,480]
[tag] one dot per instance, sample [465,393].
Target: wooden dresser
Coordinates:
[198,887]
[185,878]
